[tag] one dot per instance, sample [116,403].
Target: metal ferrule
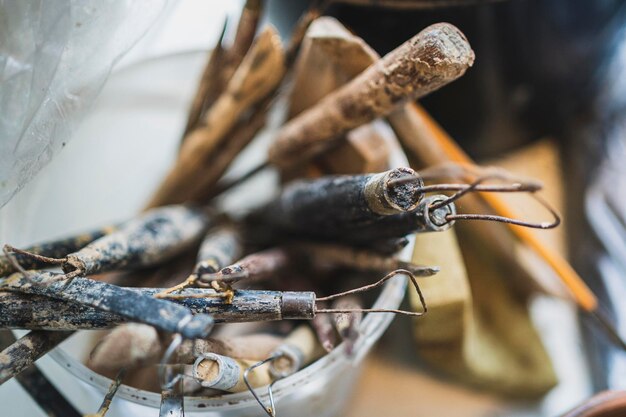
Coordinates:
[293,356]
[227,375]
[435,220]
[297,305]
[384,199]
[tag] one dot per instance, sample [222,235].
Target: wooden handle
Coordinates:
[434,57]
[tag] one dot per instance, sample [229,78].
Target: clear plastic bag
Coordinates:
[54,58]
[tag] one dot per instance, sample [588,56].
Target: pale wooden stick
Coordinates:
[222,64]
[434,57]
[239,138]
[208,87]
[259,73]
[330,57]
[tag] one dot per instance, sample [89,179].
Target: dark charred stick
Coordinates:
[323,326]
[433,58]
[23,353]
[422,220]
[348,323]
[152,238]
[17,310]
[263,222]
[252,346]
[131,345]
[40,389]
[122,301]
[247,305]
[299,348]
[332,256]
[220,247]
[53,249]
[332,202]
[108,398]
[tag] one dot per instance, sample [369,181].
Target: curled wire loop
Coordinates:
[271,409]
[373,286]
[483,174]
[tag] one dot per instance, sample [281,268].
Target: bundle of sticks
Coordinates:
[294,269]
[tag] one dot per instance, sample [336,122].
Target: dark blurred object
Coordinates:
[536,67]
[606,404]
[596,171]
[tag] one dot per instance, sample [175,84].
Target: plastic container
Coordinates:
[119,154]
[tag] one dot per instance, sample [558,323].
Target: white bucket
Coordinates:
[104,175]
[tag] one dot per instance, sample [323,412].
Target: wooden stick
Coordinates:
[348,323]
[222,64]
[436,56]
[254,267]
[24,352]
[40,389]
[220,247]
[330,56]
[331,203]
[226,374]
[333,256]
[122,301]
[274,223]
[58,248]
[241,135]
[299,349]
[16,310]
[260,71]
[323,326]
[131,350]
[147,240]
[209,86]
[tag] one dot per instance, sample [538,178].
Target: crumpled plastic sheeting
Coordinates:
[54,59]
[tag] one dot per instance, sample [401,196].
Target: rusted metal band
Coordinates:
[294,357]
[297,305]
[435,220]
[386,199]
[227,375]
